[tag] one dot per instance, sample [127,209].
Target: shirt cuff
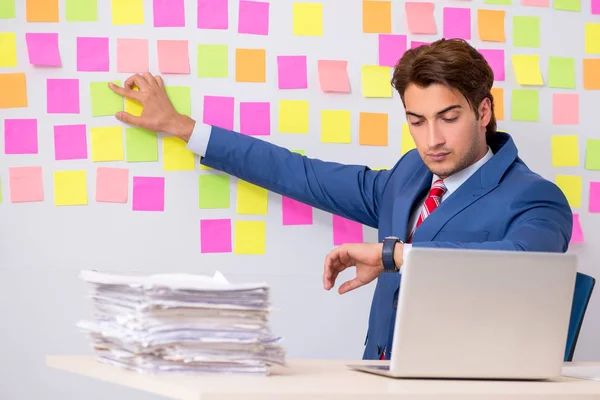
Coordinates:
[198,142]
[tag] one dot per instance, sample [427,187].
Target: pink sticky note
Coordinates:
[391,49]
[132,55]
[255,118]
[169,13]
[215,236]
[291,72]
[148,193]
[594,201]
[346,231]
[577,232]
[253,17]
[70,142]
[536,3]
[414,44]
[333,76]
[495,59]
[218,111]
[112,184]
[173,57]
[457,23]
[42,49]
[419,18]
[20,136]
[26,184]
[213,14]
[92,54]
[596,7]
[295,212]
[62,96]
[565,108]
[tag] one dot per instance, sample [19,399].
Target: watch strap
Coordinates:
[387,256]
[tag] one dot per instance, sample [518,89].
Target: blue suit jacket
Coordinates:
[503,205]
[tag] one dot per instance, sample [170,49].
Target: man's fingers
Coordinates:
[149,78]
[159,81]
[128,118]
[331,269]
[125,92]
[136,80]
[349,285]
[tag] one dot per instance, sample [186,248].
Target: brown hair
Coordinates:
[450,62]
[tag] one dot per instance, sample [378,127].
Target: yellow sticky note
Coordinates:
[127,12]
[107,143]
[8,49]
[335,126]
[376,81]
[70,188]
[133,107]
[407,142]
[565,151]
[251,199]
[176,157]
[592,38]
[250,237]
[527,69]
[308,19]
[293,116]
[571,186]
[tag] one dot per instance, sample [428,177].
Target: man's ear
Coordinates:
[485,111]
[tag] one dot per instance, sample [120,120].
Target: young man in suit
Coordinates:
[483,194]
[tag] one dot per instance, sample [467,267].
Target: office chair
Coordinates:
[584,285]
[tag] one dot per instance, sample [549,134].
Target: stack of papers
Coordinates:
[181,323]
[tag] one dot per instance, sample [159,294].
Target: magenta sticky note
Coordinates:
[346,231]
[495,59]
[391,49]
[295,212]
[173,56]
[26,184]
[457,23]
[169,13]
[70,142]
[291,72]
[213,14]
[565,108]
[333,76]
[253,17]
[419,17]
[536,3]
[20,136]
[596,7]
[415,43]
[92,54]
[577,232]
[132,55]
[215,235]
[594,200]
[42,49]
[112,184]
[62,96]
[148,193]
[255,118]
[218,111]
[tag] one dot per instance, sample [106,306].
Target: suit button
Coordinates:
[378,350]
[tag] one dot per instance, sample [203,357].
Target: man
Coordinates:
[483,194]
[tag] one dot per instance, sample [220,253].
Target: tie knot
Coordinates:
[437,189]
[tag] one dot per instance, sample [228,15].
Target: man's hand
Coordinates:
[158,114]
[366,257]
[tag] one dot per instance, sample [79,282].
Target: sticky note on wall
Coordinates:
[173,57]
[14,90]
[169,13]
[81,10]
[213,191]
[565,108]
[62,96]
[373,129]
[592,154]
[591,73]
[498,95]
[141,145]
[571,186]
[292,72]
[594,197]
[132,55]
[333,76]
[148,193]
[495,59]
[457,22]
[391,49]
[561,72]
[26,184]
[377,16]
[527,69]
[293,116]
[250,65]
[70,188]
[70,142]
[215,235]
[250,237]
[567,5]
[335,126]
[107,143]
[176,157]
[127,12]
[255,118]
[219,111]
[565,151]
[8,49]
[7,9]
[526,31]
[213,14]
[525,105]
[41,10]
[376,81]
[295,212]
[592,38]
[577,232]
[251,199]
[181,97]
[346,231]
[42,49]
[105,102]
[253,17]
[92,54]
[490,25]
[112,185]
[21,136]
[419,17]
[308,19]
[213,61]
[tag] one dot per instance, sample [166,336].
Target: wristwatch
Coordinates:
[387,256]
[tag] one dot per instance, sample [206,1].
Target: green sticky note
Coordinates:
[526,31]
[592,154]
[301,152]
[567,5]
[561,72]
[525,105]
[181,98]
[213,61]
[105,102]
[81,10]
[0,191]
[213,191]
[7,9]
[141,145]
[501,2]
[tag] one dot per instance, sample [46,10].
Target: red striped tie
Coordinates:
[431,203]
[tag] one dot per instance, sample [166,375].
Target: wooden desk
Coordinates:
[323,379]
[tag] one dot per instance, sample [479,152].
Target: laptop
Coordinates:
[481,314]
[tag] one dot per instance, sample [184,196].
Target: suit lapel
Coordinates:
[405,200]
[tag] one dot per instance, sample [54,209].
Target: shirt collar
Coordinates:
[454,181]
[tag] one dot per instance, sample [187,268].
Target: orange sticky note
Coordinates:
[498,95]
[250,65]
[373,129]
[377,16]
[14,90]
[42,11]
[490,25]
[591,73]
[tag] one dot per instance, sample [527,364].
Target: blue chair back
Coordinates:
[584,285]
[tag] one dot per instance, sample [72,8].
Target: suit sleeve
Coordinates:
[351,191]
